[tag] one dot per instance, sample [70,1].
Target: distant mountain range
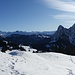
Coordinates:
[26,33]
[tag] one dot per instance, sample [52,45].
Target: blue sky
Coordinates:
[36,15]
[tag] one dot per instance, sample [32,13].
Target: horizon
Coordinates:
[27,31]
[37,31]
[39,15]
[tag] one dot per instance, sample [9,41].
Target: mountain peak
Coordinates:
[60,27]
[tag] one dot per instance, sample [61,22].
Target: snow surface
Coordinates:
[28,49]
[26,63]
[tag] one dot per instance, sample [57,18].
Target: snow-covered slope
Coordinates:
[27,63]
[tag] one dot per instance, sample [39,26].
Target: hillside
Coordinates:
[27,63]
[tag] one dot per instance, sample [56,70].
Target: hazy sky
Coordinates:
[36,15]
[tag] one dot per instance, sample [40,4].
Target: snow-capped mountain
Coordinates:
[63,40]
[27,63]
[65,34]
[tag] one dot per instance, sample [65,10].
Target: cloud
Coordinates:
[67,19]
[67,8]
[64,17]
[62,5]
[70,21]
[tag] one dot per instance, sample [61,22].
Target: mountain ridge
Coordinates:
[63,40]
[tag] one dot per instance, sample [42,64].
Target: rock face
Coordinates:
[63,40]
[65,34]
